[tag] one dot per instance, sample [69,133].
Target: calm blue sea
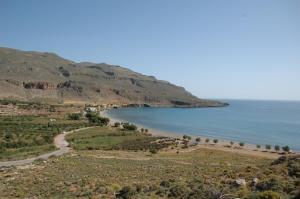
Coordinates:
[257,122]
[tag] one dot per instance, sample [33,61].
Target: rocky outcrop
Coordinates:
[39,85]
[180,103]
[70,85]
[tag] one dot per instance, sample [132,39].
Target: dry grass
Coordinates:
[102,173]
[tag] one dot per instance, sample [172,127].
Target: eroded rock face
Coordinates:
[70,85]
[180,103]
[39,85]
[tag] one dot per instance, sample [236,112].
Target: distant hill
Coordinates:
[37,76]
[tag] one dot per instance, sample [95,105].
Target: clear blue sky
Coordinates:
[215,49]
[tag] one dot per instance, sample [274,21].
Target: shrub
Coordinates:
[277,147]
[258,146]
[268,147]
[286,148]
[146,130]
[52,108]
[153,151]
[198,139]
[74,116]
[269,195]
[273,184]
[94,118]
[142,130]
[231,143]
[103,121]
[165,183]
[125,193]
[186,137]
[177,191]
[242,144]
[264,195]
[216,141]
[130,127]
[117,124]
[207,140]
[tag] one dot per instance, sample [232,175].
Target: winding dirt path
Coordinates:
[60,143]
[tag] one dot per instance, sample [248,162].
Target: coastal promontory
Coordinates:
[47,77]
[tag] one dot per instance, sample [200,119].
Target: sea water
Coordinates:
[249,121]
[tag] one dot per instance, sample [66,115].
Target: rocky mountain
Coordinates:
[37,76]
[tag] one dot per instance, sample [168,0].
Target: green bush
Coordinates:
[242,144]
[186,137]
[277,147]
[273,184]
[258,146]
[117,124]
[268,147]
[178,191]
[125,193]
[198,139]
[130,127]
[153,151]
[94,118]
[216,141]
[74,116]
[207,140]
[286,148]
[103,121]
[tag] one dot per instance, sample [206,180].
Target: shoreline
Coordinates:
[222,145]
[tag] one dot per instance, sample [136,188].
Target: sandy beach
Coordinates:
[223,145]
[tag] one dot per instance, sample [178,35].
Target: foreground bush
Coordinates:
[264,195]
[125,193]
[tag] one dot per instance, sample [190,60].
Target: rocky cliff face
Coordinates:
[28,75]
[39,85]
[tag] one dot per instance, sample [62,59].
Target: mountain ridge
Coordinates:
[44,76]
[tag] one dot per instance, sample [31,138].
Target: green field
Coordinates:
[25,136]
[106,138]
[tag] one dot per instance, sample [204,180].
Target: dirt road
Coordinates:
[59,142]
